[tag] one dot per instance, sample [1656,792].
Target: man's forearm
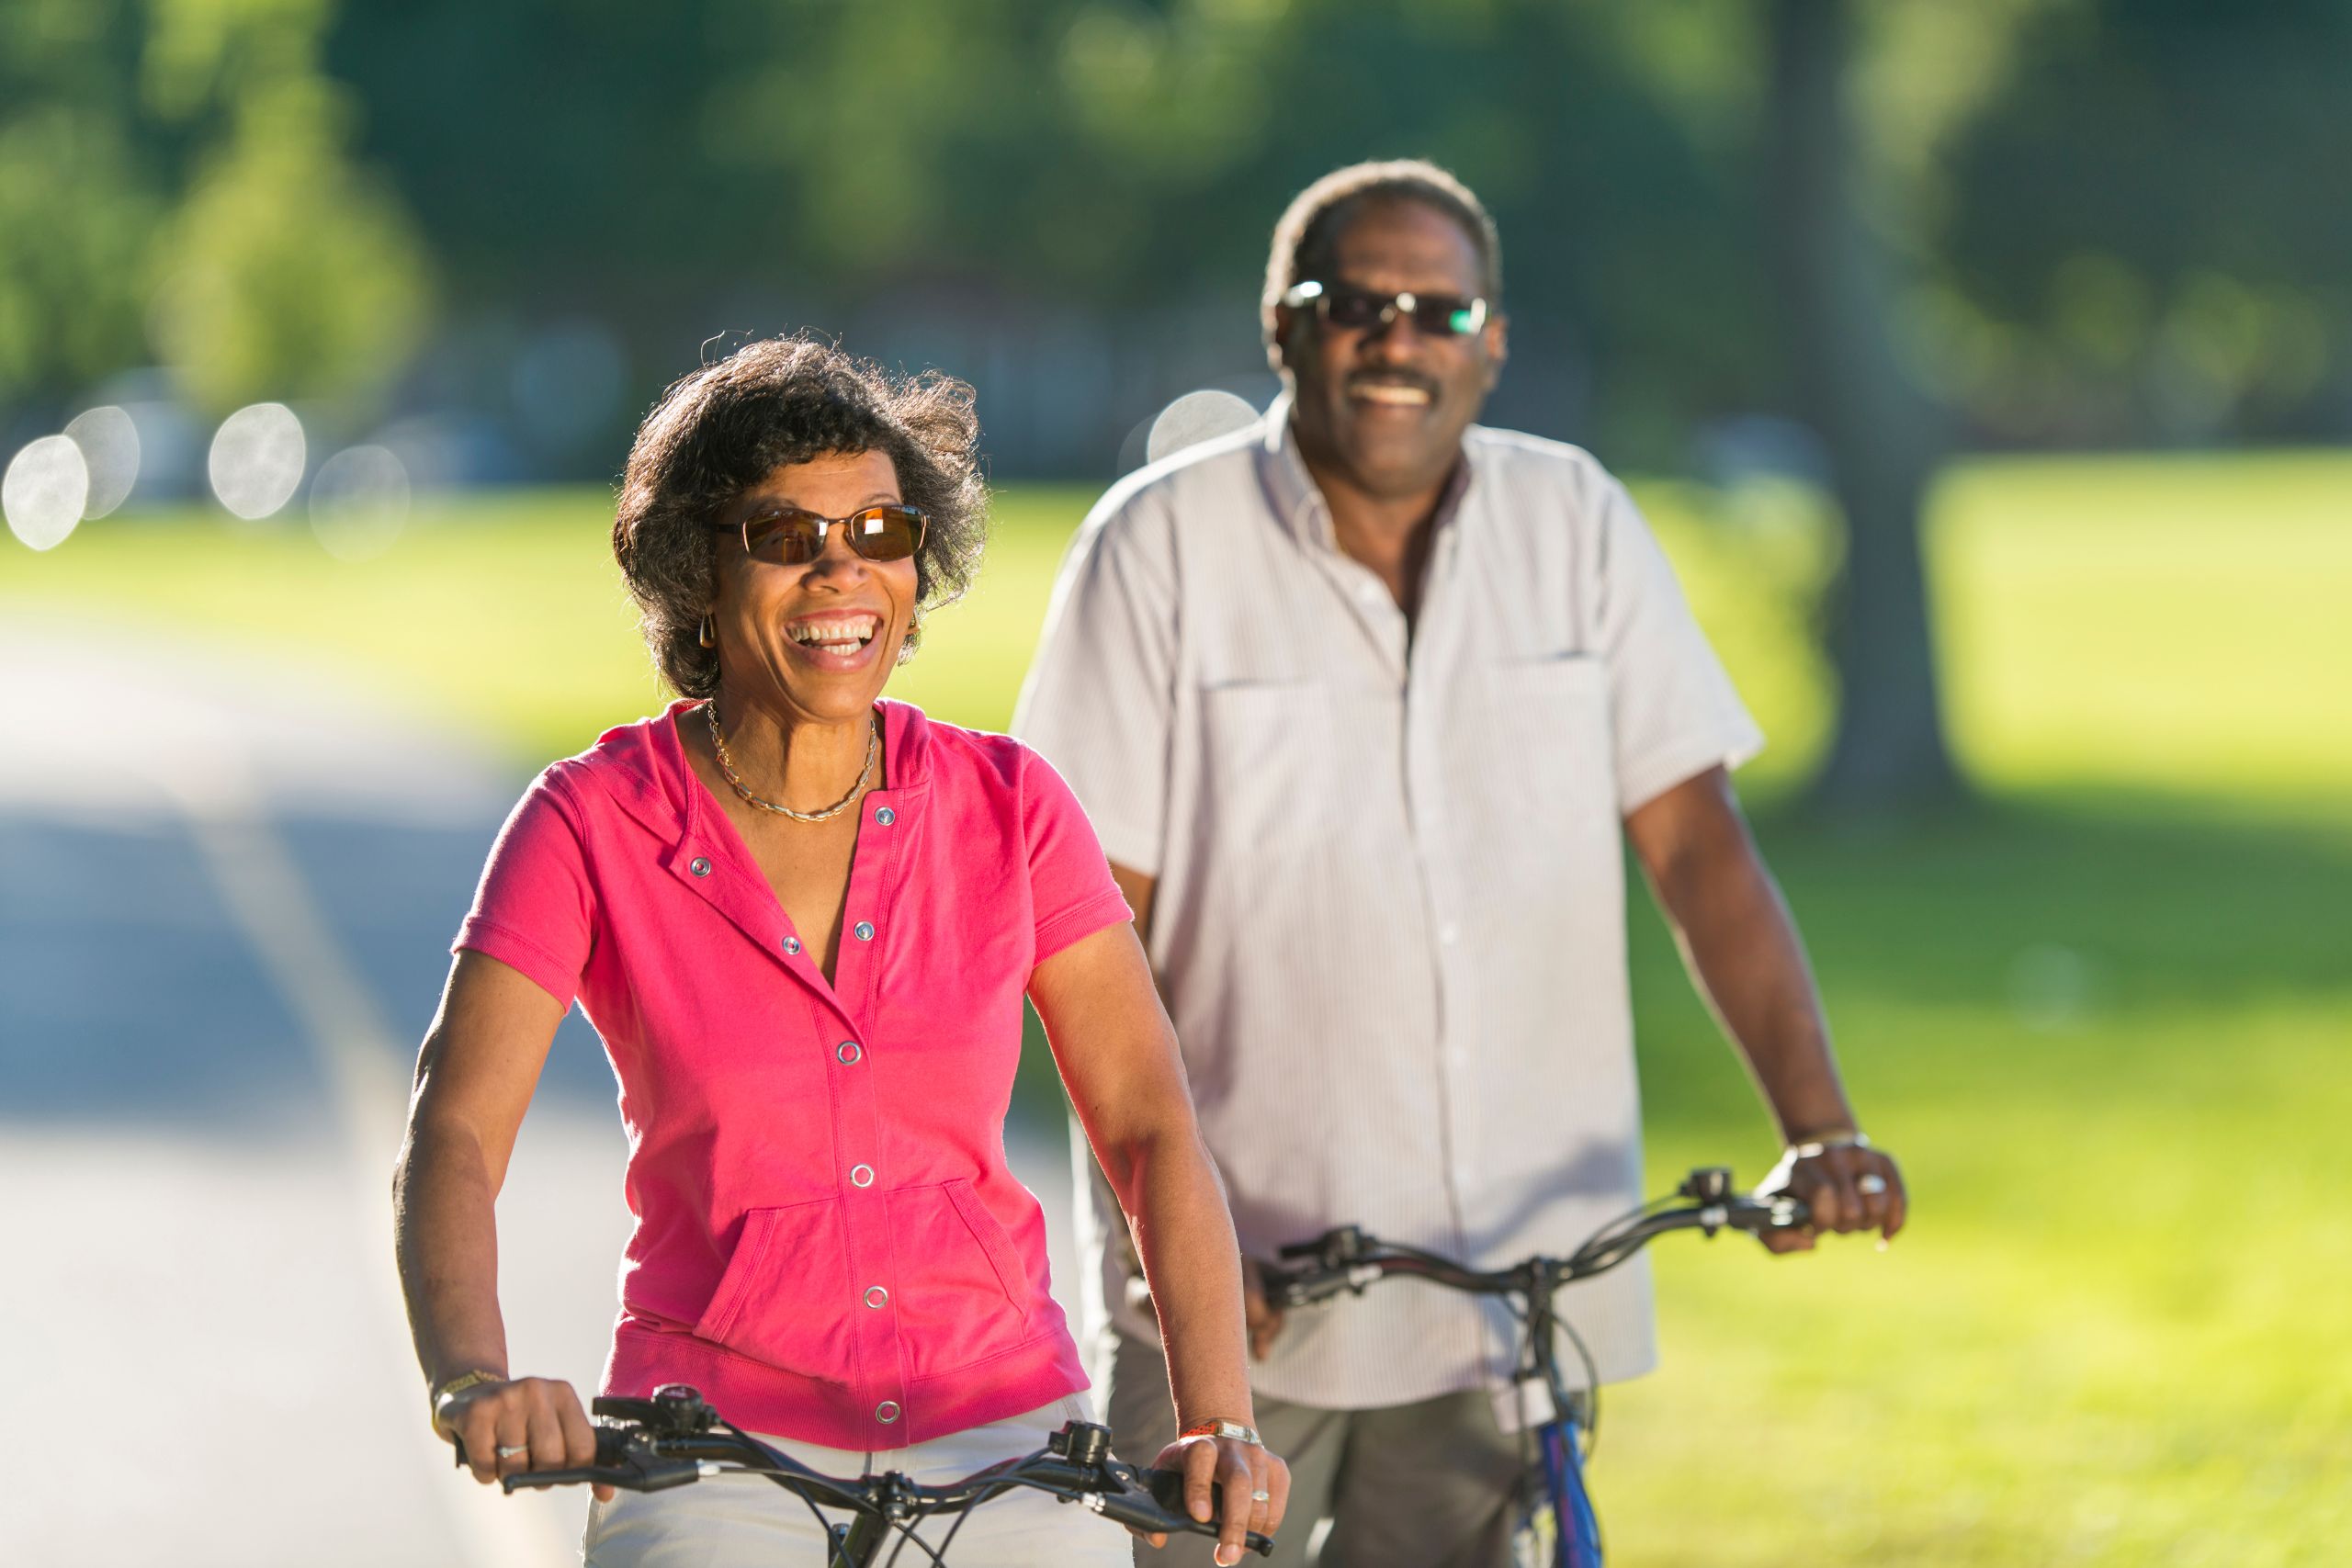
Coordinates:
[1743,950]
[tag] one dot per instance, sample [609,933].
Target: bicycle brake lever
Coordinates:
[1337,1246]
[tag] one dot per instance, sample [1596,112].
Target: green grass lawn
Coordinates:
[2104,1017]
[2112,1055]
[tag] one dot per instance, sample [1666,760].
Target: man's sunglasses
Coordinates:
[791,537]
[1438,315]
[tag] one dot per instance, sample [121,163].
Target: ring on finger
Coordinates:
[1261,1496]
[1871,1184]
[512,1450]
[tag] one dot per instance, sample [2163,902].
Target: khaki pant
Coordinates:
[747,1520]
[1425,1485]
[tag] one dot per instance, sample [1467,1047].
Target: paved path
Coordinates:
[226,892]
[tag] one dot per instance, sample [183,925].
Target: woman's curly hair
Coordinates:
[724,428]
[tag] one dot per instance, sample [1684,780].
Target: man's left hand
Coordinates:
[1849,1188]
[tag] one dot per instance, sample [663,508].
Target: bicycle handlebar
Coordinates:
[673,1439]
[1346,1261]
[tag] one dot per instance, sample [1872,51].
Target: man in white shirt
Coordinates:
[1363,701]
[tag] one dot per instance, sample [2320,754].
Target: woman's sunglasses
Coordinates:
[791,537]
[1437,315]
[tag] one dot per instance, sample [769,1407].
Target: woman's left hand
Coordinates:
[1256,1481]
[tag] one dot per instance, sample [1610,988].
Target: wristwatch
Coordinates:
[1233,1429]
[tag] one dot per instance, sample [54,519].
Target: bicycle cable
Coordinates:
[1529,1368]
[989,1495]
[836,1550]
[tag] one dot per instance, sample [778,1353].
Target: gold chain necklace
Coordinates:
[727,767]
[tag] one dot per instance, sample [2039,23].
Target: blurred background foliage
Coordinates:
[1831,240]
[176,186]
[2105,209]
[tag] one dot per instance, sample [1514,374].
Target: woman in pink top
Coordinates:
[804,921]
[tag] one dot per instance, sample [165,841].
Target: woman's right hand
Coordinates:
[518,1424]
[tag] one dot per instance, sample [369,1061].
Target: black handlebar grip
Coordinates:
[1166,1514]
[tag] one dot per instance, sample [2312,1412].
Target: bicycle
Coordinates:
[1567,1533]
[675,1437]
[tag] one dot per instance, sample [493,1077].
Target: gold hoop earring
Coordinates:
[705,637]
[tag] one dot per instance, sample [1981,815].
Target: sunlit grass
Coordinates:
[2103,1018]
[2112,1335]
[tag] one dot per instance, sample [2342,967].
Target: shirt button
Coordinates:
[861,1176]
[1449,933]
[887,1412]
[864,930]
[791,944]
[848,1053]
[886,816]
[701,867]
[875,1295]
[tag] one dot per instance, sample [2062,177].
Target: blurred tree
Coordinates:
[747,162]
[79,197]
[173,178]
[1884,436]
[2140,239]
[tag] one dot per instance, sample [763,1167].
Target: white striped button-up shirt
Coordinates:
[1389,920]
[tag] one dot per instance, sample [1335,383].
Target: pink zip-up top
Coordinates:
[829,1243]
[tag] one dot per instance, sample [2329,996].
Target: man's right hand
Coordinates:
[1263,1319]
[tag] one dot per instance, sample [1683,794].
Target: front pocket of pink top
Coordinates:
[786,1298]
[960,1279]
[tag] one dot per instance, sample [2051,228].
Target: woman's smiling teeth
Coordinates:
[836,633]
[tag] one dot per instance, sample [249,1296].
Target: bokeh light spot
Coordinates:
[257,460]
[359,502]
[44,491]
[109,443]
[1194,418]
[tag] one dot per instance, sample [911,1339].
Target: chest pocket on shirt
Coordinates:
[1280,769]
[1550,719]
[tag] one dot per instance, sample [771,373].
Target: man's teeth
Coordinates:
[836,634]
[1390,392]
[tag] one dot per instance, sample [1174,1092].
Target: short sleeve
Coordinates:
[534,910]
[1101,693]
[1673,709]
[1070,888]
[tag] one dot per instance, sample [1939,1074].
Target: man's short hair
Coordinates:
[1310,228]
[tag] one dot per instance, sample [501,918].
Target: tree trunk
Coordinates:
[1884,436]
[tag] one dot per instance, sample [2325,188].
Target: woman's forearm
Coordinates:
[1184,1237]
[446,1235]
